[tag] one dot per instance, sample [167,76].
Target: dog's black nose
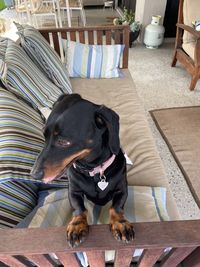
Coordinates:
[37,174]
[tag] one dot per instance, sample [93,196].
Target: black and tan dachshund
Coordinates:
[82,139]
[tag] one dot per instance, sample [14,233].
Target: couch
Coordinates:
[51,207]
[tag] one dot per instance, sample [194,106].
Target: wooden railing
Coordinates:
[182,236]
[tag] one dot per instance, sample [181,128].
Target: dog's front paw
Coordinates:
[77,230]
[121,229]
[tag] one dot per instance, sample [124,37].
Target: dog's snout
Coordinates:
[37,174]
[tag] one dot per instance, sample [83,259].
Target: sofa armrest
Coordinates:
[189,29]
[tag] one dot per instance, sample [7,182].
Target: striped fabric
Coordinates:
[92,61]
[144,204]
[43,55]
[21,138]
[21,76]
[17,200]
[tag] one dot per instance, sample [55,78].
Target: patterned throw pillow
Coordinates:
[21,139]
[21,76]
[17,200]
[43,55]
[92,61]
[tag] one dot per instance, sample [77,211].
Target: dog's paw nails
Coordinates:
[76,234]
[122,231]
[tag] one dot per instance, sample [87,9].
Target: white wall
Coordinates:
[146,8]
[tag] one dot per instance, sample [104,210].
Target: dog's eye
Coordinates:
[62,142]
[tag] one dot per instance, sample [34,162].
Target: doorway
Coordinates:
[170,19]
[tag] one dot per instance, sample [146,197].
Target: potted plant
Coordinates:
[128,18]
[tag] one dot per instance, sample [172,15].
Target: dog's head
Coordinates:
[75,129]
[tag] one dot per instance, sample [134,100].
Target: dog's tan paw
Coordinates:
[121,229]
[77,230]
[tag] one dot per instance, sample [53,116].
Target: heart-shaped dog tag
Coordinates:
[102,184]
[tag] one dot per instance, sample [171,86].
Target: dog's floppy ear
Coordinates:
[68,99]
[106,117]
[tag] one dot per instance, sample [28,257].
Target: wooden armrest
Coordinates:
[189,29]
[147,235]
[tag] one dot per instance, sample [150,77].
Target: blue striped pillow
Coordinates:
[21,139]
[21,76]
[43,55]
[17,200]
[93,61]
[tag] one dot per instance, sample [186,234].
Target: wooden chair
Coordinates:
[42,10]
[72,5]
[23,9]
[187,46]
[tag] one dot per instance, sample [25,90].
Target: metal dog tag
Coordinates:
[102,184]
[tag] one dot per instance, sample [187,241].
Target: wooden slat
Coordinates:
[117,37]
[73,36]
[82,37]
[126,49]
[99,37]
[68,259]
[123,258]
[96,258]
[149,257]
[64,35]
[11,261]
[91,37]
[175,256]
[46,36]
[56,42]
[108,37]
[88,28]
[39,260]
[193,260]
[147,235]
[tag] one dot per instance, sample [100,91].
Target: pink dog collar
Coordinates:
[101,168]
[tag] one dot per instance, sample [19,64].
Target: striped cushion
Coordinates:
[21,76]
[93,61]
[144,204]
[17,199]
[21,138]
[43,55]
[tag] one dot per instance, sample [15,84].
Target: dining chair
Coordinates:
[71,5]
[43,10]
[23,9]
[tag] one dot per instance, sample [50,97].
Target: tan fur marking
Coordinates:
[56,169]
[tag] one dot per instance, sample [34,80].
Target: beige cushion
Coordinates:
[189,48]
[191,12]
[136,139]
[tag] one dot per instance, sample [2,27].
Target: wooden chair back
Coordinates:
[190,64]
[90,35]
[182,238]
